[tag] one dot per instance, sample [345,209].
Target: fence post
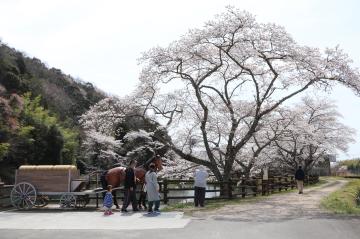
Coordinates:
[229,187]
[256,187]
[280,183]
[97,200]
[165,192]
[97,180]
[270,185]
[243,189]
[263,186]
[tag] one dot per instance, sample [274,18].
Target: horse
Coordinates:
[116,176]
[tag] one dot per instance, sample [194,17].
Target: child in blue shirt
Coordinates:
[108,201]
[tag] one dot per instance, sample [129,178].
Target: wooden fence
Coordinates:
[5,195]
[234,189]
[184,189]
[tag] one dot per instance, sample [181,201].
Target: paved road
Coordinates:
[283,216]
[89,220]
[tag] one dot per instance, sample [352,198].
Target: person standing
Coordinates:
[130,188]
[108,201]
[300,176]
[152,189]
[200,177]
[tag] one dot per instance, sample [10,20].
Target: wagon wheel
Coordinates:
[82,201]
[68,200]
[23,195]
[41,201]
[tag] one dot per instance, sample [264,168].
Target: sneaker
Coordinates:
[135,210]
[106,213]
[124,210]
[150,212]
[111,213]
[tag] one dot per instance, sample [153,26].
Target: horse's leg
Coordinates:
[140,204]
[115,200]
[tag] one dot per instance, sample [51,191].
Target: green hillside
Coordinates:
[39,110]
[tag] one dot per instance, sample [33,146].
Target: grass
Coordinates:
[189,208]
[343,200]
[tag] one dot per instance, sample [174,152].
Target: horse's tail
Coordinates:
[103,181]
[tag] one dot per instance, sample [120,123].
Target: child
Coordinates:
[108,201]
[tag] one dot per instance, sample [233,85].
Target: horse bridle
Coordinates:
[146,164]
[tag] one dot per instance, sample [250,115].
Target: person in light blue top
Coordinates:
[108,201]
[200,177]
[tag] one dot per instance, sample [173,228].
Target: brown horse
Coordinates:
[116,176]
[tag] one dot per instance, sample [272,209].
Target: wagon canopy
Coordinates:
[48,178]
[48,167]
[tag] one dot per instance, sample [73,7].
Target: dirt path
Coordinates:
[278,207]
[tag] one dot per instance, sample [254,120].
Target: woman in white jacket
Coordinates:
[152,189]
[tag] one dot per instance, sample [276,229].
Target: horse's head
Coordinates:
[158,163]
[155,160]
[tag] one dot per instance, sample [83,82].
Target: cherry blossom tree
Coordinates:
[260,150]
[116,131]
[100,122]
[315,133]
[213,87]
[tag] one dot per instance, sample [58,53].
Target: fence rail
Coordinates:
[220,190]
[233,189]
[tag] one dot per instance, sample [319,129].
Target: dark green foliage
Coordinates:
[55,143]
[353,165]
[40,138]
[11,82]
[43,130]
[61,94]
[21,64]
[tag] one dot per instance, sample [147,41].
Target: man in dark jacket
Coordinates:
[300,176]
[130,187]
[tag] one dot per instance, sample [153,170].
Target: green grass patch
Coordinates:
[343,201]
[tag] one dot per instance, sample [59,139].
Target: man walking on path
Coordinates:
[130,187]
[200,186]
[300,176]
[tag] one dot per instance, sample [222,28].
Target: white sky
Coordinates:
[100,41]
